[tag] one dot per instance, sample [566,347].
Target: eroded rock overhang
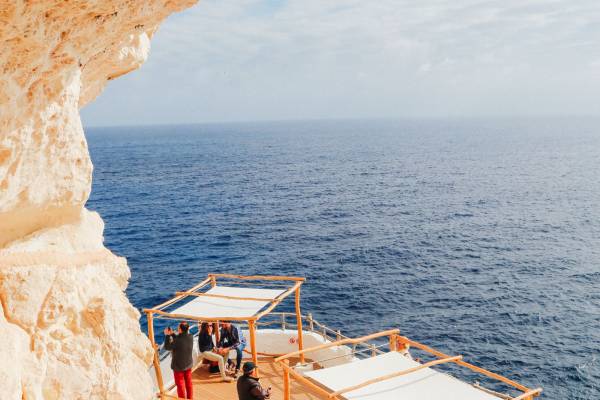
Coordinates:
[68,329]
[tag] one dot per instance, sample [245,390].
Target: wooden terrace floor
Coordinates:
[210,387]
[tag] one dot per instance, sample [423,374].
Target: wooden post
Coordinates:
[286,381]
[156,361]
[299,323]
[252,329]
[393,339]
[217,332]
[213,281]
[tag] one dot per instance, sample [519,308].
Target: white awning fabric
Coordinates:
[214,307]
[424,384]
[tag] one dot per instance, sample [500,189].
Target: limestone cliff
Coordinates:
[67,328]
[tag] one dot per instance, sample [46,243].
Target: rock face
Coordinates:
[67,328]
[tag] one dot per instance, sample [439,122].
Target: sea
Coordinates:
[478,237]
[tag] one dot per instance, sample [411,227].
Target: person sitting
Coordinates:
[210,352]
[248,387]
[230,338]
[181,347]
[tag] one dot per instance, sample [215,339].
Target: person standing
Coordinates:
[230,338]
[181,346]
[209,352]
[248,387]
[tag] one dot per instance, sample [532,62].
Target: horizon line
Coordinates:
[334,119]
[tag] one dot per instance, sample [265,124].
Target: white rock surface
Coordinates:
[67,328]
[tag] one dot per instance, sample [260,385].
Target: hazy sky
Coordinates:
[241,60]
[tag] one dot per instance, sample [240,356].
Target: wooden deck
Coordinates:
[210,387]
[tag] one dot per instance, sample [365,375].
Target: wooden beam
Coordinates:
[339,343]
[529,394]
[156,360]
[306,382]
[277,301]
[222,296]
[175,299]
[299,324]
[393,375]
[196,318]
[466,364]
[259,277]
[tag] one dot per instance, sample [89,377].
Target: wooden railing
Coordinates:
[338,343]
[310,324]
[489,374]
[395,340]
[287,320]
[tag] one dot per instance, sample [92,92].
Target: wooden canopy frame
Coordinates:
[195,291]
[396,343]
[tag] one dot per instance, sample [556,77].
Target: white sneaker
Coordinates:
[227,379]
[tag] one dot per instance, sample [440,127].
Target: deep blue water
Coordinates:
[478,237]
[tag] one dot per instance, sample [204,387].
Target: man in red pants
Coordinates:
[181,346]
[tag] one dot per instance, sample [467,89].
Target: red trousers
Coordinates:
[183,380]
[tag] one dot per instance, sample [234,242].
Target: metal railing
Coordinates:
[287,320]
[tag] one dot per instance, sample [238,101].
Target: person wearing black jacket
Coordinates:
[248,387]
[210,352]
[230,339]
[181,346]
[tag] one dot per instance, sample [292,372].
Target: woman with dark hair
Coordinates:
[209,352]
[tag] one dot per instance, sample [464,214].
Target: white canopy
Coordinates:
[215,307]
[425,384]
